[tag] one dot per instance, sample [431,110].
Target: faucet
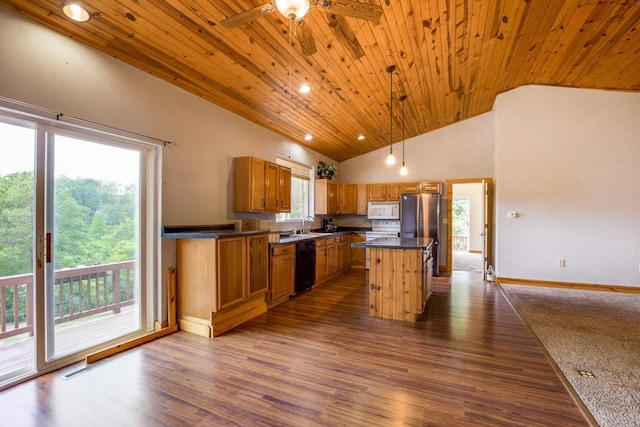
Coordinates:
[303,220]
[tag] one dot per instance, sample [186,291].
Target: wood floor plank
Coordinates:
[320,359]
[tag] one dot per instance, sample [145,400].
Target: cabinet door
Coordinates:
[350,198]
[321,263]
[409,188]
[258,264]
[332,197]
[340,208]
[271,187]
[283,272]
[232,271]
[362,196]
[332,256]
[393,192]
[345,252]
[284,188]
[248,184]
[377,192]
[357,254]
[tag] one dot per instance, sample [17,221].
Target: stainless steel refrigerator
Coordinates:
[420,217]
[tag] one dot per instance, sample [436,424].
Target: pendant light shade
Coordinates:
[391,159]
[403,169]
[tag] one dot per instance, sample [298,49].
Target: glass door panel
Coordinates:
[17,344]
[93,223]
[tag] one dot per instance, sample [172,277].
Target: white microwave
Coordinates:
[383,210]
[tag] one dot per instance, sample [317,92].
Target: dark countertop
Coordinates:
[205,231]
[295,238]
[396,243]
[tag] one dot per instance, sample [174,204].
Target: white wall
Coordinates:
[568,160]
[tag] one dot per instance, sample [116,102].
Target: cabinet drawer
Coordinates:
[321,242]
[283,250]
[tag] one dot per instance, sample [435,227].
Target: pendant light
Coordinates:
[403,169]
[391,159]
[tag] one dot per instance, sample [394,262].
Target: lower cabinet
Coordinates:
[321,260]
[358,254]
[221,282]
[344,252]
[282,274]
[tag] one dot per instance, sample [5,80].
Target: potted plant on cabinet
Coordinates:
[326,171]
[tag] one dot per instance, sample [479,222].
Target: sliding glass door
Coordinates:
[17,195]
[75,218]
[92,226]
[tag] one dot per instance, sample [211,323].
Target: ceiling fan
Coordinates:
[295,10]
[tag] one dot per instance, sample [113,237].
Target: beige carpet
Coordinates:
[594,332]
[467,261]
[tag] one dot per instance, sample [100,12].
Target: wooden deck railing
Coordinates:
[78,292]
[460,243]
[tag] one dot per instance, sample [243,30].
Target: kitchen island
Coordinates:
[399,278]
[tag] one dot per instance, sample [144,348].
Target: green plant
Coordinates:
[325,170]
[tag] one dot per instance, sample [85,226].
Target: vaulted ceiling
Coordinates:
[452,58]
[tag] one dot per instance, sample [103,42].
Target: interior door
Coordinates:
[487,210]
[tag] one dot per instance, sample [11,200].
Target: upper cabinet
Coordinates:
[285,188]
[260,186]
[383,192]
[326,197]
[347,199]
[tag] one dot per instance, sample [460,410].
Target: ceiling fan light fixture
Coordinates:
[293,9]
[75,12]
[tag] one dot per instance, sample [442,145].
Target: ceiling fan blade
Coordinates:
[305,38]
[352,9]
[247,16]
[346,36]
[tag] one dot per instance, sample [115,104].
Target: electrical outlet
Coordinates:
[561,263]
[512,214]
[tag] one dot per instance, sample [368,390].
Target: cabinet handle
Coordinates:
[372,286]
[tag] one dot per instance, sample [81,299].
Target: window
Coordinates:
[300,180]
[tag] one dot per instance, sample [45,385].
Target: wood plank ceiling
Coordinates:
[452,58]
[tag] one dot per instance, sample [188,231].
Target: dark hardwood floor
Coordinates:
[319,359]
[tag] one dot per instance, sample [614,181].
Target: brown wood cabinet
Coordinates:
[347,199]
[326,197]
[409,187]
[383,192]
[357,254]
[284,176]
[332,257]
[257,186]
[321,260]
[362,196]
[344,252]
[221,282]
[282,273]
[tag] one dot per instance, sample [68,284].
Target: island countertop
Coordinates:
[420,244]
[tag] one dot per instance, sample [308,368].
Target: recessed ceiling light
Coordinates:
[305,88]
[361,137]
[76,12]
[308,137]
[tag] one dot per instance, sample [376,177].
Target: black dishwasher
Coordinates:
[305,265]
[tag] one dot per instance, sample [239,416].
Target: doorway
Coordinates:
[469,225]
[73,260]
